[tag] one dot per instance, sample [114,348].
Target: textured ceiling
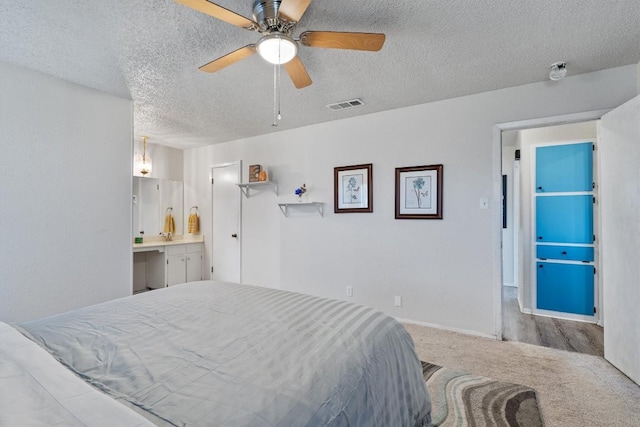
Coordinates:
[150,51]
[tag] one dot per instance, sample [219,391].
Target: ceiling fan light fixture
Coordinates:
[277,48]
[558,71]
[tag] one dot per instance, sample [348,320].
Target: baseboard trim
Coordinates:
[522,309]
[447,328]
[565,316]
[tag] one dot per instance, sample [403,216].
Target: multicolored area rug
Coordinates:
[461,399]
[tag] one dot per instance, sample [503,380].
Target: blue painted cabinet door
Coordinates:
[564,228]
[564,219]
[562,168]
[565,287]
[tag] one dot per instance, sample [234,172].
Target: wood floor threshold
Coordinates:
[561,334]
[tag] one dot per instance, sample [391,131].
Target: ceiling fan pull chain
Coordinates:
[276,94]
[279,89]
[275,100]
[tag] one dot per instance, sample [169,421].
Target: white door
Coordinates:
[226,239]
[619,149]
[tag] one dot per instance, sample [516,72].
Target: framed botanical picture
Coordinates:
[419,192]
[353,188]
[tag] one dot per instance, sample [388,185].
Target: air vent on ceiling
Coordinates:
[345,104]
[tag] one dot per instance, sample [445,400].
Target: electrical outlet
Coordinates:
[397,301]
[349,291]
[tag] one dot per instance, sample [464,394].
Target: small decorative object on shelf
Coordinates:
[300,191]
[254,173]
[262,176]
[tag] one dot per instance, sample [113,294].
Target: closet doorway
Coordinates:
[548,271]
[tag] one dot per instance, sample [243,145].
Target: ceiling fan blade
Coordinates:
[292,10]
[229,58]
[298,73]
[342,40]
[219,12]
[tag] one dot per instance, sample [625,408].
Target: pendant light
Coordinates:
[143,164]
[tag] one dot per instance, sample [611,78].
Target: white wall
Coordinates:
[65,195]
[586,131]
[444,269]
[638,77]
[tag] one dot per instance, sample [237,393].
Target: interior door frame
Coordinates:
[237,163]
[533,289]
[515,209]
[497,193]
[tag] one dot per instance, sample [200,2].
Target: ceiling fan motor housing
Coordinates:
[265,13]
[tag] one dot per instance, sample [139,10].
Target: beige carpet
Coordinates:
[573,389]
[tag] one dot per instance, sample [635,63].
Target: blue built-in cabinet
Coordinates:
[565,288]
[564,228]
[564,219]
[564,168]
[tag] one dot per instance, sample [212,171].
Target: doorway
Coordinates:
[534,308]
[226,253]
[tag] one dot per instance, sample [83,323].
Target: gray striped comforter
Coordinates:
[222,354]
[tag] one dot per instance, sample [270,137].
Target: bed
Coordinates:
[222,354]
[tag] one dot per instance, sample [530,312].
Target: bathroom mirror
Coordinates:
[153,199]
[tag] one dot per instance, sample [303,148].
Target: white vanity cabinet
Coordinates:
[158,264]
[183,263]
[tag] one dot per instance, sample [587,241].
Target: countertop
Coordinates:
[157,243]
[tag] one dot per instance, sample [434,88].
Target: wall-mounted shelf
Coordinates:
[284,207]
[247,186]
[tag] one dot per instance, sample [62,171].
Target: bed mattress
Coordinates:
[36,390]
[223,354]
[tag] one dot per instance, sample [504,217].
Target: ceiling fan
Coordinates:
[275,21]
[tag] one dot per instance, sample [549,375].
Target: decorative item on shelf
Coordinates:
[300,191]
[263,176]
[254,173]
[139,239]
[194,221]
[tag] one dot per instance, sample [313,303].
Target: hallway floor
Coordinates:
[579,337]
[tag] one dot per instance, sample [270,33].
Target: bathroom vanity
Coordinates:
[159,263]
